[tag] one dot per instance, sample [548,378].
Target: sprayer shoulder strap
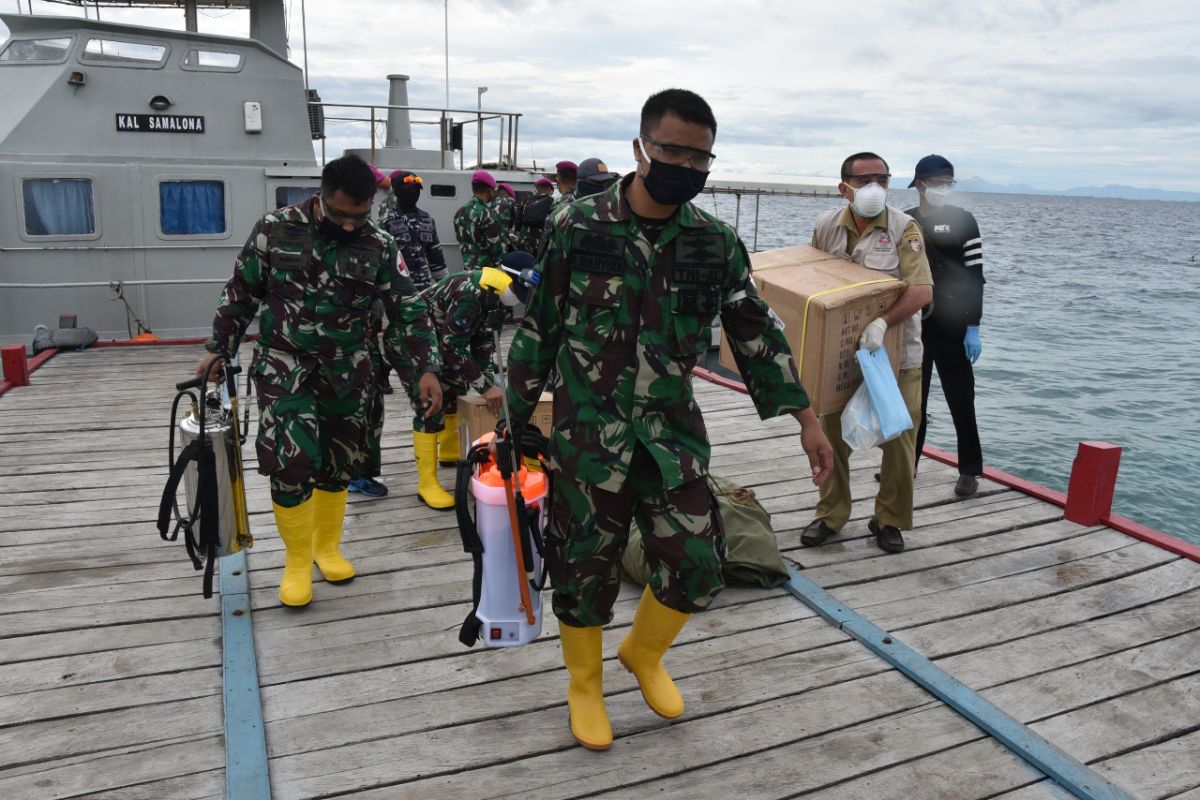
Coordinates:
[203,552]
[468,634]
[189,453]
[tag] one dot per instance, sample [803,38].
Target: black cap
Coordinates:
[932,166]
[520,264]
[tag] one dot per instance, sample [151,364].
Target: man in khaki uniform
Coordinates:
[877,236]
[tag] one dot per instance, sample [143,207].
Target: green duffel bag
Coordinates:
[752,555]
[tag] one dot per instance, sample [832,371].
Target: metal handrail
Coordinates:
[110,284]
[509,139]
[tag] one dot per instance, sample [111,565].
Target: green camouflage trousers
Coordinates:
[308,438]
[435,424]
[371,465]
[588,528]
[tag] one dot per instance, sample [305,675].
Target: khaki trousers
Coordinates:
[894,500]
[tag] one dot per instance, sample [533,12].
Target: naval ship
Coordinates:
[133,161]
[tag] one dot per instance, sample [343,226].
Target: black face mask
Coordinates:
[407,197]
[672,184]
[337,233]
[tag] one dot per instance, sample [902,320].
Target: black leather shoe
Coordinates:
[386,388]
[967,486]
[816,533]
[888,537]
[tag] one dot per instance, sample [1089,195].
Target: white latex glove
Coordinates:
[872,335]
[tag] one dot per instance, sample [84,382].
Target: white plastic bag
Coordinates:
[876,413]
[891,413]
[860,425]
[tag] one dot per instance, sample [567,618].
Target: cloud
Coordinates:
[1055,93]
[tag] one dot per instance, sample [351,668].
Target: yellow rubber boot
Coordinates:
[582,654]
[296,530]
[448,447]
[329,515]
[425,447]
[654,628]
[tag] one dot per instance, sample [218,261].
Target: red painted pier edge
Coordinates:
[1114,521]
[44,356]
[32,364]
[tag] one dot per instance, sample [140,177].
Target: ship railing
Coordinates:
[374,115]
[757,193]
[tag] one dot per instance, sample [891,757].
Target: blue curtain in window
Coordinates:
[191,207]
[58,207]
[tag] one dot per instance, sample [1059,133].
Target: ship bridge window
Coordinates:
[292,195]
[442,190]
[190,208]
[212,60]
[28,51]
[123,53]
[58,207]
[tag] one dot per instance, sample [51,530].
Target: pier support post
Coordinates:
[1093,480]
[16,368]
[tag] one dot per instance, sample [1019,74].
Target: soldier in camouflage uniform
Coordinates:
[504,206]
[467,310]
[566,178]
[531,225]
[370,465]
[415,231]
[631,280]
[313,270]
[481,238]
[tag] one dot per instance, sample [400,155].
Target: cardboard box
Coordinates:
[474,418]
[838,311]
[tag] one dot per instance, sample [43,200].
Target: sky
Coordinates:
[1051,94]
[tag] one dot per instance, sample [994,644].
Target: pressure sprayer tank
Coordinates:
[503,621]
[218,432]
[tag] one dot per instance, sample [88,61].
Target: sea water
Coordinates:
[1091,331]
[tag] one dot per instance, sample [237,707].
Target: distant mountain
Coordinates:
[1110,190]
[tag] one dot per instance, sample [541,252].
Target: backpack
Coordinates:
[752,556]
[536,210]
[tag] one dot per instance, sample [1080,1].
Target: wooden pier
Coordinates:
[111,661]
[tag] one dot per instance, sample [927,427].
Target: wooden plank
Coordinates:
[120,730]
[93,774]
[810,746]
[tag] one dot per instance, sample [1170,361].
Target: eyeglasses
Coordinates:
[340,219]
[413,179]
[859,181]
[678,154]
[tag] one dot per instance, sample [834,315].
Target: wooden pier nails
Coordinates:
[1093,480]
[16,368]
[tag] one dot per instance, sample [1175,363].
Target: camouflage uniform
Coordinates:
[312,369]
[465,316]
[387,206]
[371,461]
[481,237]
[623,314]
[562,202]
[505,209]
[416,235]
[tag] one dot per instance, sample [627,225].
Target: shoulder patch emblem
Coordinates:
[915,244]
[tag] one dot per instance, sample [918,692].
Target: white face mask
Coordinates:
[937,196]
[869,201]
